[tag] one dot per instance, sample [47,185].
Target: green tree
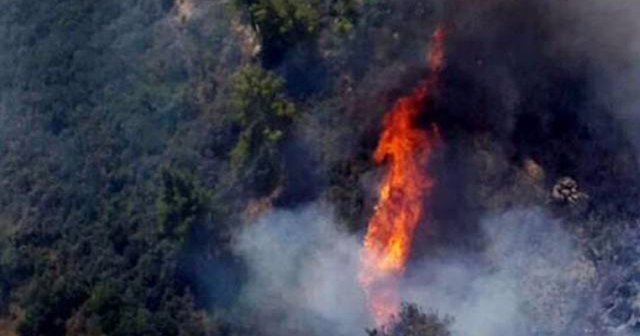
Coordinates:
[181,205]
[281,23]
[263,115]
[412,321]
[49,303]
[105,302]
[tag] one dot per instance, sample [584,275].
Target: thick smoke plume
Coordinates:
[528,281]
[303,273]
[303,277]
[531,92]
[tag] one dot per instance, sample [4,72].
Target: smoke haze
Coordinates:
[550,81]
[303,274]
[123,168]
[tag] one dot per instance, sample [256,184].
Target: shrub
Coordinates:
[412,321]
[281,24]
[263,115]
[181,204]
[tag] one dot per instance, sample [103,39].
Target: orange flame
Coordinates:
[406,149]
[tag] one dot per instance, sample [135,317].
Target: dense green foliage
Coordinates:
[181,206]
[130,143]
[263,116]
[95,105]
[282,24]
[136,137]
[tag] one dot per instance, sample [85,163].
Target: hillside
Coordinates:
[213,167]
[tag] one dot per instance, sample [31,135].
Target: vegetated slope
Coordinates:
[136,136]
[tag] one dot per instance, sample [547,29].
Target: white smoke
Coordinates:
[302,273]
[303,277]
[531,279]
[528,280]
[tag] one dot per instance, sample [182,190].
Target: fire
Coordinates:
[406,150]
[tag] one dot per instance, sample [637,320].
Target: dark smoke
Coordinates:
[532,92]
[95,101]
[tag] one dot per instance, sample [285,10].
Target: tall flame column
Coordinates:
[405,148]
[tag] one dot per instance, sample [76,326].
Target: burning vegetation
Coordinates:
[283,167]
[406,148]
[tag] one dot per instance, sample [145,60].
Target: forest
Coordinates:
[206,167]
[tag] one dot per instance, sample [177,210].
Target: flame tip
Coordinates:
[405,148]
